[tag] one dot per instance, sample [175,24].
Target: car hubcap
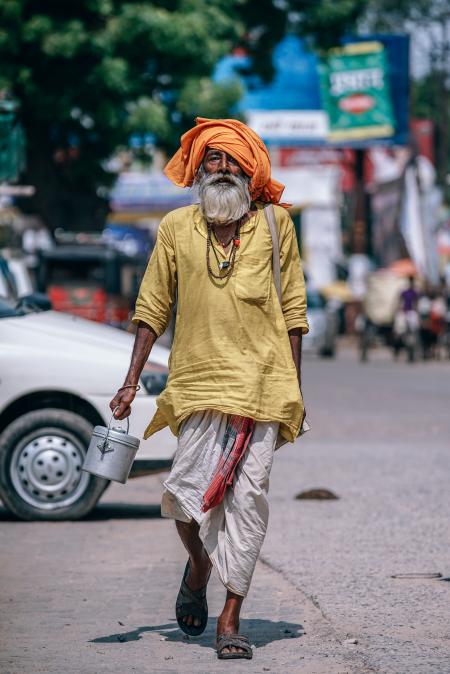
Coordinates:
[46,470]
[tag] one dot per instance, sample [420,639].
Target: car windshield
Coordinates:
[8,309]
[29,304]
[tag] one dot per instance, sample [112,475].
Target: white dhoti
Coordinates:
[232,532]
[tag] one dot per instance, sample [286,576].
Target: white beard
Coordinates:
[224,198]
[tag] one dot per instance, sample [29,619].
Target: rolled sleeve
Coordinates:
[292,279]
[157,292]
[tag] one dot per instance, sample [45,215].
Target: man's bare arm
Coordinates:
[143,342]
[295,338]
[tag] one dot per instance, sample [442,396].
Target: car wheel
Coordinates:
[41,454]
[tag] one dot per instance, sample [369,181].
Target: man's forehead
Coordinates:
[210,149]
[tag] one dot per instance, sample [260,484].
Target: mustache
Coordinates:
[220,178]
[224,178]
[204,179]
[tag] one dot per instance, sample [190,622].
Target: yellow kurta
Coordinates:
[231,350]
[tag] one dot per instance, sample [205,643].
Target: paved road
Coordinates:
[97,596]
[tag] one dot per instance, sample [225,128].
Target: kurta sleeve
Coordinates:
[157,292]
[292,279]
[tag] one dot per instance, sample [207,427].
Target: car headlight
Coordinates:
[154,382]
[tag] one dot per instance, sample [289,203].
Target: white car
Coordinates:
[322,319]
[57,375]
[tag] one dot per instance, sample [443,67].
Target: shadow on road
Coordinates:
[106,511]
[124,511]
[260,632]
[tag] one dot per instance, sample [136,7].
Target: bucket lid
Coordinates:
[118,436]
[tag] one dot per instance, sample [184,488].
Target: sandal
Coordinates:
[191,602]
[236,640]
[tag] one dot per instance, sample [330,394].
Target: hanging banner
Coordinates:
[355,92]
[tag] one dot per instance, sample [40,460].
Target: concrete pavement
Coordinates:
[97,596]
[380,440]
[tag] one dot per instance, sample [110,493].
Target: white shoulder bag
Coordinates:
[276,270]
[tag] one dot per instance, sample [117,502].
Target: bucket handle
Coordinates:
[113,417]
[104,445]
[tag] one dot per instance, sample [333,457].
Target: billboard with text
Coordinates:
[355,92]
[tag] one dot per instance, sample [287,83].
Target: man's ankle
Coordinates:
[227,624]
[198,574]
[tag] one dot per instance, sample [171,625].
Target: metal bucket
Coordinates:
[111,452]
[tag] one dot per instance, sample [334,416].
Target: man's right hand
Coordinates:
[143,342]
[122,400]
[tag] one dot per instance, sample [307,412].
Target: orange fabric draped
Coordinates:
[239,141]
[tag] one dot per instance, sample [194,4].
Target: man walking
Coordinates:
[233,392]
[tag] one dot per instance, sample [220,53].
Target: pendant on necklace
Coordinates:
[224,265]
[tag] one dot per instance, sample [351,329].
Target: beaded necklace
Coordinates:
[227,265]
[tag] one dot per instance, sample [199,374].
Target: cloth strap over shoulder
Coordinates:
[272,222]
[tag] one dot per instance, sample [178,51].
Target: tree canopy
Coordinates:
[326,21]
[88,73]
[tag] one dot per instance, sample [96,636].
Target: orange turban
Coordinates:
[233,137]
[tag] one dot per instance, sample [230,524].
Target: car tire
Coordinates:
[41,454]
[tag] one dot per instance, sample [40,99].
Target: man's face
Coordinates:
[223,188]
[217,161]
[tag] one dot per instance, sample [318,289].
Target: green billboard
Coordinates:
[355,92]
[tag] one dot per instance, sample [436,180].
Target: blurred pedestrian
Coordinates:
[409,297]
[445,292]
[432,315]
[438,311]
[234,389]
[424,311]
[406,321]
